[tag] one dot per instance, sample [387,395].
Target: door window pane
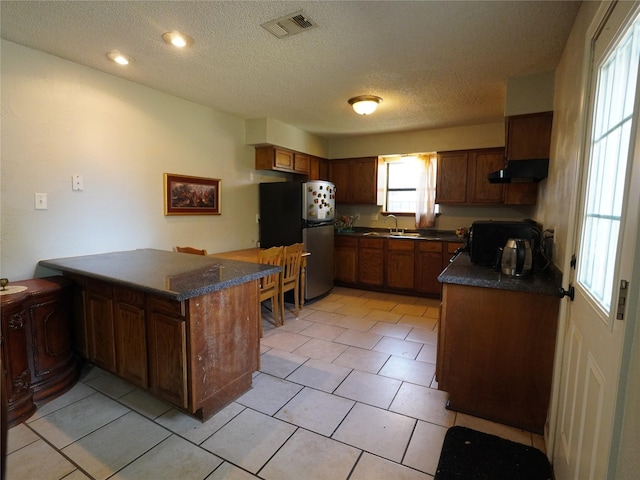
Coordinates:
[609,151]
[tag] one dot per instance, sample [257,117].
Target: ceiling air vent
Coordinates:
[289,25]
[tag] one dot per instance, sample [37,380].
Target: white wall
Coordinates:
[438,140]
[60,118]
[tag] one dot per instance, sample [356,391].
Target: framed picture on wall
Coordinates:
[185,195]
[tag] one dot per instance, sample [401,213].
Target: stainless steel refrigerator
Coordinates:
[293,212]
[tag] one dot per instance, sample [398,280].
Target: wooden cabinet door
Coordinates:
[400,264]
[451,183]
[339,174]
[100,325]
[364,181]
[481,163]
[51,343]
[323,169]
[167,351]
[283,159]
[356,180]
[529,136]
[314,168]
[131,336]
[15,373]
[274,158]
[301,163]
[345,258]
[428,267]
[371,261]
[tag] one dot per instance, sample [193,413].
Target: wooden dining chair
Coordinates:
[289,278]
[195,251]
[270,285]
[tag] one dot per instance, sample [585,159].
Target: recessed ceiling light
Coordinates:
[119,58]
[177,39]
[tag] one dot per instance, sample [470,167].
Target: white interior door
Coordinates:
[604,246]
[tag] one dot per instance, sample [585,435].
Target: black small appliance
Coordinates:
[486,238]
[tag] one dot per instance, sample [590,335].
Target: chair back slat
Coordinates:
[270,256]
[291,262]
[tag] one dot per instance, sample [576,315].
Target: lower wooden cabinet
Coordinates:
[130,333]
[16,378]
[345,258]
[100,327]
[371,261]
[401,264]
[428,267]
[168,351]
[38,362]
[198,354]
[449,251]
[495,353]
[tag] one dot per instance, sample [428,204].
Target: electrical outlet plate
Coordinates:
[77,182]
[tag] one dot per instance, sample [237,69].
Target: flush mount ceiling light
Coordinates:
[365,104]
[177,39]
[119,58]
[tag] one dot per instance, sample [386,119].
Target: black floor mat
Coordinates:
[471,455]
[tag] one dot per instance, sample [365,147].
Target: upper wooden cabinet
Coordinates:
[285,160]
[462,177]
[318,168]
[282,160]
[301,163]
[529,136]
[356,180]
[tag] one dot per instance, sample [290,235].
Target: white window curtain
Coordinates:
[426,191]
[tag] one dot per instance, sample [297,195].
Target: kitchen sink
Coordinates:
[404,234]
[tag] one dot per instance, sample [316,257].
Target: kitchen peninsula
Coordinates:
[184,327]
[496,342]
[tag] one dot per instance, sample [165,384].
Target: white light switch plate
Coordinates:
[40,201]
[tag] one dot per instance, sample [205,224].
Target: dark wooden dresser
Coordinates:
[37,344]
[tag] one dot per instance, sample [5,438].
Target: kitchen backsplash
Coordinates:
[450,218]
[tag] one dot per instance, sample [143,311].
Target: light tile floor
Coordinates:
[345,391]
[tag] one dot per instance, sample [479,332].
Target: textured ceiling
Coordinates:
[435,63]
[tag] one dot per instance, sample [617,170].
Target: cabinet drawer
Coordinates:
[377,243]
[453,246]
[100,288]
[430,247]
[128,295]
[404,245]
[344,241]
[167,306]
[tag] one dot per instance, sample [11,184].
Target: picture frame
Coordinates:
[187,195]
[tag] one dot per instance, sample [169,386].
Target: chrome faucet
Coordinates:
[395,218]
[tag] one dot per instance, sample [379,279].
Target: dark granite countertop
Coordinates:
[462,272]
[178,276]
[432,235]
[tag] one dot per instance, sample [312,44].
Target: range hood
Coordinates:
[521,171]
